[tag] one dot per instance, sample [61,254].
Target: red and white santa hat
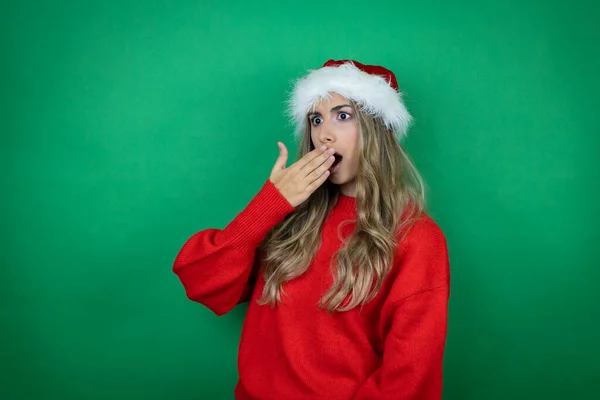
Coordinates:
[373,88]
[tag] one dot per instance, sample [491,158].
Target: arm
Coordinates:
[413,322]
[217,268]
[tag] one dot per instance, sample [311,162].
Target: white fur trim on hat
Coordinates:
[372,92]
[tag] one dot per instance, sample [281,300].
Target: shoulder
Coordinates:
[424,233]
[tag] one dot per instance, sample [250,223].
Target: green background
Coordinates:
[128,126]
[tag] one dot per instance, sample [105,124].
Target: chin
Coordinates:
[338,179]
[335,179]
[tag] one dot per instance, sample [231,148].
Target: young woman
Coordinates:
[346,274]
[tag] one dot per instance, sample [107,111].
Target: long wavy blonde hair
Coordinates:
[390,196]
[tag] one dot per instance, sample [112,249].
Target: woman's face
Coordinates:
[333,123]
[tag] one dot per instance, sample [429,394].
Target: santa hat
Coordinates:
[373,88]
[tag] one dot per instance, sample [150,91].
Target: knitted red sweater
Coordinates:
[391,349]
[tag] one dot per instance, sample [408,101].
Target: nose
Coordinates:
[326,134]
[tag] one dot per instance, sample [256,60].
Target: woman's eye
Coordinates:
[344,115]
[316,120]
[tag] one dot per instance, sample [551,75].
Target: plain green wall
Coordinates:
[128,126]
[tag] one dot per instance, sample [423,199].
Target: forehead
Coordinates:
[326,103]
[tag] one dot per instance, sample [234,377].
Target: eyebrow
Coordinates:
[332,110]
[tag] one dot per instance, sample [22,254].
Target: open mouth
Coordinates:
[338,159]
[335,166]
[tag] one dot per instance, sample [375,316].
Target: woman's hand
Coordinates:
[302,178]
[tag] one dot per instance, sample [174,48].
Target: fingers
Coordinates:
[281,161]
[314,185]
[318,161]
[319,171]
[308,157]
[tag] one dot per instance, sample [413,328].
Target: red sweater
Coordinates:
[391,349]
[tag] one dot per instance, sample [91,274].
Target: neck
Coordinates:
[348,189]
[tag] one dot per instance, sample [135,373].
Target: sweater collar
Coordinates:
[346,204]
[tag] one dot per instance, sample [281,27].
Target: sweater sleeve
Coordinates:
[217,268]
[413,324]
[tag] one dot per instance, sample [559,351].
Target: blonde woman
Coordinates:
[346,274]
